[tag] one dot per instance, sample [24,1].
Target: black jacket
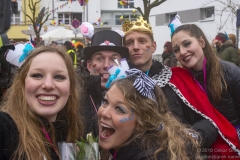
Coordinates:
[92,89]
[182,112]
[229,106]
[134,151]
[9,136]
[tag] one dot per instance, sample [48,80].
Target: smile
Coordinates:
[187,58]
[47,98]
[106,131]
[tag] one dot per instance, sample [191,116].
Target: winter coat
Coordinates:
[229,106]
[162,74]
[92,95]
[9,136]
[170,60]
[229,53]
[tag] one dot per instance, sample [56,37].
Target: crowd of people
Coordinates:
[156,111]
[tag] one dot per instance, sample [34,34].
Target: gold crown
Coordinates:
[139,24]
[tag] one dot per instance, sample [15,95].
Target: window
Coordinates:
[130,2]
[66,18]
[169,17]
[207,13]
[117,18]
[15,18]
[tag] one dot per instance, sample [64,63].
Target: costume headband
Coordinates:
[143,84]
[174,24]
[139,24]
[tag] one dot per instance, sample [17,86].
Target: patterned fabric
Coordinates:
[143,84]
[238,130]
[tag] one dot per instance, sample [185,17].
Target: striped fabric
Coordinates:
[143,84]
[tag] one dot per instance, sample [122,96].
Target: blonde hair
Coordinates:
[32,142]
[174,137]
[141,30]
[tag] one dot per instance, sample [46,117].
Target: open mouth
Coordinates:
[106,131]
[105,75]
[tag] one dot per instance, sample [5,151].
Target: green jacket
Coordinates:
[228,53]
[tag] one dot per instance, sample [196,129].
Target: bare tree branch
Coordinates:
[147,7]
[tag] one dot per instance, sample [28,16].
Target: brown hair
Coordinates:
[173,138]
[32,142]
[168,45]
[216,81]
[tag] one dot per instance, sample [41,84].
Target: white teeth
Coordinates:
[104,133]
[186,58]
[47,98]
[104,125]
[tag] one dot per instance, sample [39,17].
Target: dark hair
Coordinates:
[68,45]
[168,45]
[213,64]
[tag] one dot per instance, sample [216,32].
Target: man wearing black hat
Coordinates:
[225,51]
[106,46]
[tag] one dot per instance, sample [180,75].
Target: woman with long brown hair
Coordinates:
[41,107]
[219,81]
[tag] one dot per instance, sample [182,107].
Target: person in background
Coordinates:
[233,38]
[173,81]
[40,108]
[225,51]
[106,47]
[170,59]
[135,124]
[220,83]
[71,52]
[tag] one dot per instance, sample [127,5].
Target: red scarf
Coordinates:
[199,100]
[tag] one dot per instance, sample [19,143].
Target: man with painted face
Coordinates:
[140,42]
[106,47]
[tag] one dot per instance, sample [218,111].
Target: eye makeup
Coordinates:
[128,118]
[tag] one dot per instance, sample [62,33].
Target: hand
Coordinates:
[214,41]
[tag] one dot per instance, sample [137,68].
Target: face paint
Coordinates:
[129,118]
[148,48]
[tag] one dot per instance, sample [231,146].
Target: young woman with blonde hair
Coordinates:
[41,107]
[135,123]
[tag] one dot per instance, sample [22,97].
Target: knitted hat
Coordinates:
[221,37]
